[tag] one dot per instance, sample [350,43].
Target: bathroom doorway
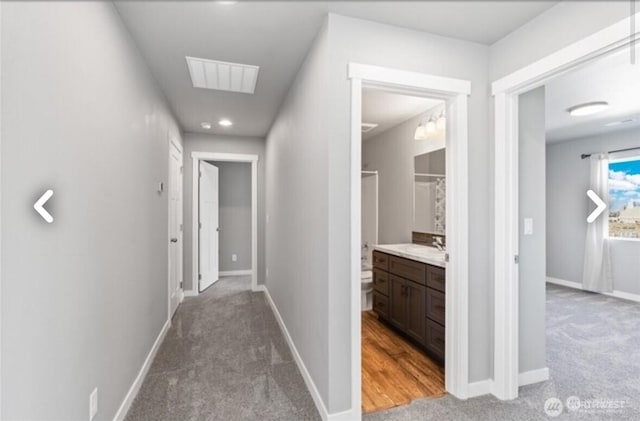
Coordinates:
[405,279]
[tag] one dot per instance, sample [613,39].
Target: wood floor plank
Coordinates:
[394,372]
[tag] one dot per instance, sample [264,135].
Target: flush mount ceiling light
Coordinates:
[227,3]
[223,76]
[205,125]
[367,127]
[617,123]
[225,122]
[588,108]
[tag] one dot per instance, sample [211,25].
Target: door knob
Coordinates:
[218,229]
[174,240]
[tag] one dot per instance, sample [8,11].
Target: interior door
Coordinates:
[209,231]
[175,228]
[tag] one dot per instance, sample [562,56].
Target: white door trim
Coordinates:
[224,157]
[454,92]
[178,146]
[505,92]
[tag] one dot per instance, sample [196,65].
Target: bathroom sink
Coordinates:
[426,254]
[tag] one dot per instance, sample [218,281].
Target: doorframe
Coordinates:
[505,92]
[455,93]
[195,247]
[174,142]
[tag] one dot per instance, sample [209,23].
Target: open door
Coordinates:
[209,231]
[175,228]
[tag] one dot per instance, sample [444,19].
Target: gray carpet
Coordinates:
[593,352]
[224,358]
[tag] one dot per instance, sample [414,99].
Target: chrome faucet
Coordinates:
[437,243]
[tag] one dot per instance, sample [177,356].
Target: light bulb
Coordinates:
[431,127]
[441,123]
[420,133]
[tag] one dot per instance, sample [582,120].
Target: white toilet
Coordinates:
[366,279]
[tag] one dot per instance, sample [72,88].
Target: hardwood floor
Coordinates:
[394,372]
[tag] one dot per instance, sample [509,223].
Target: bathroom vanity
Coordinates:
[409,293]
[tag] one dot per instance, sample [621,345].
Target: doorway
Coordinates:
[454,93]
[176,293]
[205,158]
[507,91]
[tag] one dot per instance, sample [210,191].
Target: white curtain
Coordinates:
[596,274]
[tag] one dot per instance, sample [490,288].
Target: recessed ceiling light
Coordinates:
[205,125]
[588,108]
[225,122]
[227,3]
[616,123]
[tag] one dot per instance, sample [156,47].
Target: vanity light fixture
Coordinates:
[431,127]
[421,133]
[588,108]
[441,122]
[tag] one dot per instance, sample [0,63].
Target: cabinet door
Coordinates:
[416,312]
[397,302]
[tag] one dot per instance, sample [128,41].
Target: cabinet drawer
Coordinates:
[436,278]
[380,260]
[408,269]
[435,305]
[381,305]
[435,338]
[381,281]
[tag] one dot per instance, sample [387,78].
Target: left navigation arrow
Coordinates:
[38,206]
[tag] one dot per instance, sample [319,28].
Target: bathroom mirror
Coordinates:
[429,198]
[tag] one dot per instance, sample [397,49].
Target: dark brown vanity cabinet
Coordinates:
[409,296]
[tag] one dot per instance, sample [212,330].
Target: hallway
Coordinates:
[224,358]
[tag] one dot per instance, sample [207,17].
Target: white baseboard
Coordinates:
[483,387]
[576,285]
[135,387]
[533,376]
[342,416]
[190,293]
[235,272]
[260,288]
[315,394]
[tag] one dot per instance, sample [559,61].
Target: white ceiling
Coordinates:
[479,21]
[612,79]
[276,36]
[388,109]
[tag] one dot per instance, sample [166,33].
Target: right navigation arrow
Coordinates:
[600,206]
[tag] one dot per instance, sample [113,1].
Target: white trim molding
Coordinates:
[137,383]
[236,273]
[190,293]
[223,157]
[577,285]
[308,380]
[506,91]
[479,388]
[455,94]
[533,376]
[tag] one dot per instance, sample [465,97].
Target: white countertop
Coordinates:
[424,254]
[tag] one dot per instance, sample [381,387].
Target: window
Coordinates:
[624,198]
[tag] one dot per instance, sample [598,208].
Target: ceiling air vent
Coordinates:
[223,76]
[367,127]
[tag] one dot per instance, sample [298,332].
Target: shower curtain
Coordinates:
[596,274]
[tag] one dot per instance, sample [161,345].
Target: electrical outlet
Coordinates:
[234,257]
[93,404]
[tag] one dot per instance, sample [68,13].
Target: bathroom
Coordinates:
[403,248]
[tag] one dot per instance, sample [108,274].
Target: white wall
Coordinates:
[378,44]
[568,207]
[392,154]
[557,27]
[297,206]
[85,297]
[531,282]
[196,142]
